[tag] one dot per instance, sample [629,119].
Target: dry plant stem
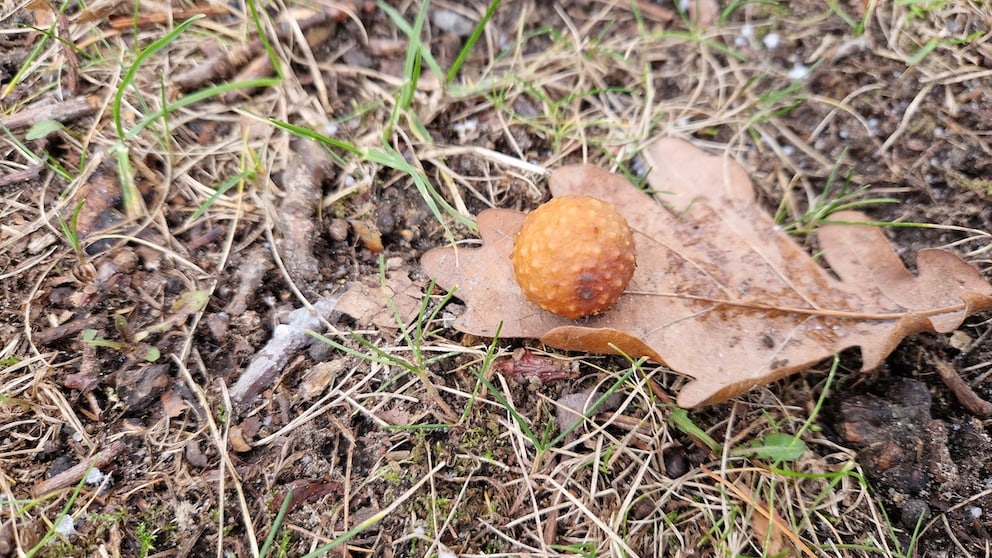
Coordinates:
[25,175]
[773,518]
[225,65]
[593,517]
[51,335]
[129,22]
[962,391]
[303,181]
[65,111]
[30,173]
[220,441]
[657,13]
[74,474]
[287,340]
[251,271]
[70,67]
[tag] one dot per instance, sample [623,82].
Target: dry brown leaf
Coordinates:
[769,538]
[237,440]
[381,305]
[720,293]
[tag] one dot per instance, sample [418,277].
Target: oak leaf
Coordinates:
[720,293]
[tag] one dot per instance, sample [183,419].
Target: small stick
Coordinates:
[74,474]
[962,391]
[225,65]
[131,21]
[70,328]
[70,109]
[30,173]
[287,340]
[251,271]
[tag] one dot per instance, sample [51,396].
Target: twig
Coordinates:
[17,177]
[287,340]
[302,182]
[68,329]
[962,391]
[74,474]
[225,65]
[251,271]
[131,21]
[70,109]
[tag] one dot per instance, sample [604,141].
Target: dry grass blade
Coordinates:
[769,515]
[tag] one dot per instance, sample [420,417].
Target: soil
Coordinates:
[124,354]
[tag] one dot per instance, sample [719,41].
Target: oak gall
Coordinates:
[574,256]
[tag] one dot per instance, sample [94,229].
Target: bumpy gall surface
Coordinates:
[574,256]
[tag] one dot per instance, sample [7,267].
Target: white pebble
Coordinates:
[94,476]
[451,22]
[744,38]
[465,127]
[799,71]
[65,526]
[771,41]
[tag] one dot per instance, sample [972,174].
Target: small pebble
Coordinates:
[65,526]
[771,41]
[451,22]
[465,127]
[338,229]
[94,476]
[799,71]
[744,38]
[961,341]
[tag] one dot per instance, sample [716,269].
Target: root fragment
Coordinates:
[962,391]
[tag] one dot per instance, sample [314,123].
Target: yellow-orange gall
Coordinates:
[574,256]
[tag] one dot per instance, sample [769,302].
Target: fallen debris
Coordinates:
[302,183]
[74,474]
[962,391]
[287,340]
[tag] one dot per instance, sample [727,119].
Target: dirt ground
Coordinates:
[176,190]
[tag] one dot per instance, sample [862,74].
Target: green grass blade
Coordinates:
[196,97]
[471,41]
[262,36]
[409,32]
[264,551]
[144,55]
[220,191]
